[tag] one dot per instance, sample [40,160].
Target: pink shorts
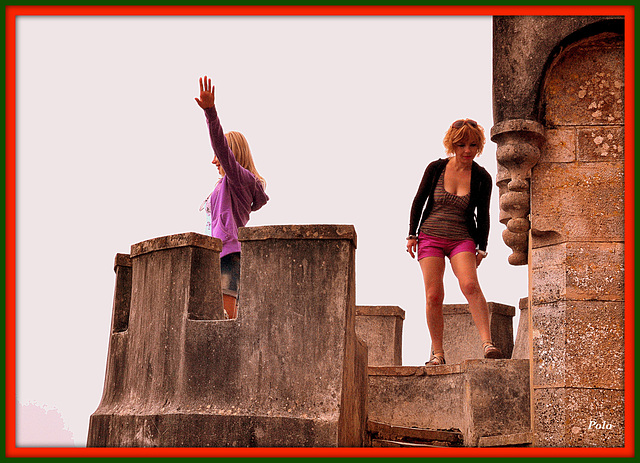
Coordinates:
[432,246]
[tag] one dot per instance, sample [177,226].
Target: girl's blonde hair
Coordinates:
[470,130]
[240,147]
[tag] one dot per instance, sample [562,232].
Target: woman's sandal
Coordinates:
[436,359]
[491,351]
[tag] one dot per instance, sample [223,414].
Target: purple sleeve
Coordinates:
[237,174]
[243,183]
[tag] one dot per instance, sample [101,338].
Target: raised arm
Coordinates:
[236,173]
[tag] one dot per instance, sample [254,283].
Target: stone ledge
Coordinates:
[448,369]
[494,307]
[300,232]
[380,311]
[176,241]
[415,370]
[122,260]
[502,365]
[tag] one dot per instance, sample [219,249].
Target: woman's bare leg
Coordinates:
[433,274]
[464,268]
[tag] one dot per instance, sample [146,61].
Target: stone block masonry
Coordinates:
[578,250]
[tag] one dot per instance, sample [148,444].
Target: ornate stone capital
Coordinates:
[519,146]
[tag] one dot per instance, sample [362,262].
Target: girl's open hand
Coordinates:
[207,98]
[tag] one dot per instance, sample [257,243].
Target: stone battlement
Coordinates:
[289,371]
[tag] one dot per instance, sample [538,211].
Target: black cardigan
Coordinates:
[481,184]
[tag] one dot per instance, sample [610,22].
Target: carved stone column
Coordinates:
[519,145]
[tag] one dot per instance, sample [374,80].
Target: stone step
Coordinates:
[386,435]
[486,400]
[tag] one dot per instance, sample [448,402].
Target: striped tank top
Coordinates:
[447,220]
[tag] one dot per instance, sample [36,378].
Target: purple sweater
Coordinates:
[237,194]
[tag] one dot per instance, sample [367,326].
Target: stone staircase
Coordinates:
[474,402]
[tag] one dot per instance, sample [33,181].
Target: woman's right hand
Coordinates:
[412,247]
[207,97]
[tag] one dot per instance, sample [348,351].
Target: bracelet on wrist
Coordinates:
[482,253]
[412,237]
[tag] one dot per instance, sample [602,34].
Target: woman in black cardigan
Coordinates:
[450,218]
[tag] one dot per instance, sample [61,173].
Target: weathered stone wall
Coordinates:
[297,291]
[577,257]
[380,327]
[523,49]
[558,91]
[288,371]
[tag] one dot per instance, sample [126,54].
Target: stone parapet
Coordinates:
[461,338]
[380,327]
[288,371]
[298,296]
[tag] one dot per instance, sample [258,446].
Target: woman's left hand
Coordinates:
[479,258]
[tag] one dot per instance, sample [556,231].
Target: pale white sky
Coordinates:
[342,114]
